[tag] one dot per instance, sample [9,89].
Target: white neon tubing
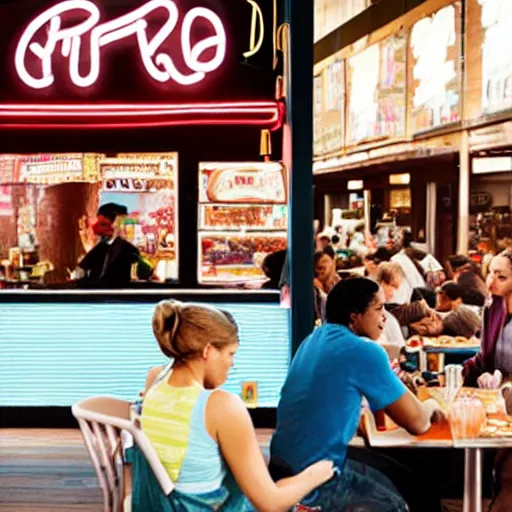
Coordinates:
[159,66]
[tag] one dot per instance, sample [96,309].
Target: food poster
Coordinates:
[377,91]
[242,218]
[236,257]
[147,187]
[434,46]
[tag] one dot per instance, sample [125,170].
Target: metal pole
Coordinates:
[299,14]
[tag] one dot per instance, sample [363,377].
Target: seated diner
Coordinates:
[335,368]
[203,435]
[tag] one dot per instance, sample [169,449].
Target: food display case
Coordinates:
[242,218]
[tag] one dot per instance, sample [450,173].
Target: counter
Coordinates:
[59,346]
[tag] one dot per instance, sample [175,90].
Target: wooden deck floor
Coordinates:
[49,470]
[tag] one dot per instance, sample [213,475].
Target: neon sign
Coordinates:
[158,64]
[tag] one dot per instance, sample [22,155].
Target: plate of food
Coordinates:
[449,342]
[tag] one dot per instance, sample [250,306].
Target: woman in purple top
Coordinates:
[493,363]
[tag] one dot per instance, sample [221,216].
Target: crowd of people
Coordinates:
[204,435]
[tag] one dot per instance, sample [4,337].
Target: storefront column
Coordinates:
[368,209]
[464,176]
[299,14]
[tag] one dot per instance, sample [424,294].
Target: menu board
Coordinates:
[8,168]
[51,169]
[146,185]
[377,91]
[225,217]
[496,22]
[435,71]
[242,219]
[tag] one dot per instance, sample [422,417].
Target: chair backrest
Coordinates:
[102,420]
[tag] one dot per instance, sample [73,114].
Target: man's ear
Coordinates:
[206,351]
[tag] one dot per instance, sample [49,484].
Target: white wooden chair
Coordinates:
[102,420]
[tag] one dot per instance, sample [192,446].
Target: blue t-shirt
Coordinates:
[320,406]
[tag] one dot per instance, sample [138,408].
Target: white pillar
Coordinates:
[367,208]
[464,177]
[430,234]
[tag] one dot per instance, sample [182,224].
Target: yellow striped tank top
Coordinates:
[174,420]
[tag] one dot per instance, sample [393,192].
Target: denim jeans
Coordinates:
[359,488]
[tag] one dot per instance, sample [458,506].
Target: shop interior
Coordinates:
[230,214]
[393,196]
[490,204]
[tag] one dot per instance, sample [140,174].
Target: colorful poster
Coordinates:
[496,20]
[318,115]
[146,185]
[377,94]
[236,257]
[434,47]
[334,115]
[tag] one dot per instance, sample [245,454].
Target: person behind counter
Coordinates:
[320,406]
[109,263]
[203,435]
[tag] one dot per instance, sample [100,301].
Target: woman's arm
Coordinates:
[227,417]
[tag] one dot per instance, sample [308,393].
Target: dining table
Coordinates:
[439,436]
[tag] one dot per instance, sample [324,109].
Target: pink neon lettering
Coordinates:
[159,65]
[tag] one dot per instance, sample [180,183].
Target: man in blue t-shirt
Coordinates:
[320,406]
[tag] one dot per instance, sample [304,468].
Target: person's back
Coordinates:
[173,418]
[320,404]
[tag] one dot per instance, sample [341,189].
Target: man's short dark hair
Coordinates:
[112,210]
[451,289]
[352,295]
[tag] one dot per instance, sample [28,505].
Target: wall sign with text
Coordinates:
[435,73]
[377,91]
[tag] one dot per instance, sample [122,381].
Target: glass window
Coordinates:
[85,219]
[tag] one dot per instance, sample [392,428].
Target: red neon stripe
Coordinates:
[137,106]
[262,113]
[141,124]
[16,113]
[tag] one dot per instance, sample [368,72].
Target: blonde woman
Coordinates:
[204,435]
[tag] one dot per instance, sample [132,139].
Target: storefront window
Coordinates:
[490,212]
[59,211]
